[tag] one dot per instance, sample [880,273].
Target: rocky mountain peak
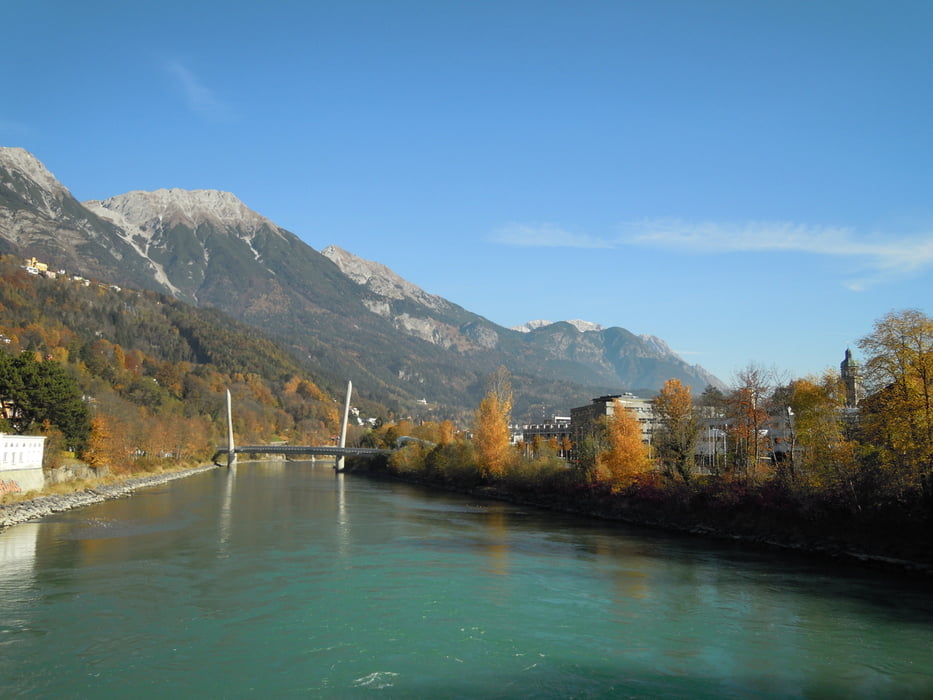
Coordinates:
[26,164]
[191,208]
[379,279]
[22,174]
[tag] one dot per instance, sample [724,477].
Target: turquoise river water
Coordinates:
[280,580]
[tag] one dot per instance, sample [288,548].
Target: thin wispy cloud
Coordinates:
[199,98]
[880,258]
[545,236]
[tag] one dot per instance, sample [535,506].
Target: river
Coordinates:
[287,580]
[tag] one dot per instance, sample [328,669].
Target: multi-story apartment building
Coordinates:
[585,419]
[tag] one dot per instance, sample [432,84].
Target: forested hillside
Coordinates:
[154,370]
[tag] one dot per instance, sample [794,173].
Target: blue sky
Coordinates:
[750,181]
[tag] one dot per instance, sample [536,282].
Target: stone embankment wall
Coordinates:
[14,513]
[63,475]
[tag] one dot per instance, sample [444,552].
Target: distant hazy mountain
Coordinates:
[345,316]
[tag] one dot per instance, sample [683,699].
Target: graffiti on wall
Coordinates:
[9,487]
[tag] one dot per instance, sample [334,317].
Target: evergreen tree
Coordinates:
[34,393]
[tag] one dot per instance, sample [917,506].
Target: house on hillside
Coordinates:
[34,267]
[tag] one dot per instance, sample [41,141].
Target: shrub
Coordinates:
[455,463]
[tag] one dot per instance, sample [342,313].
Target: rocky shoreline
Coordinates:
[24,511]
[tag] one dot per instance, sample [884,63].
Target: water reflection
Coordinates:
[226,510]
[343,518]
[18,555]
[496,543]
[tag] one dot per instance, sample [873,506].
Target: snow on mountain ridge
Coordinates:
[137,237]
[657,344]
[579,324]
[146,214]
[191,206]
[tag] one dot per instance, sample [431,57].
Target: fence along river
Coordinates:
[277,579]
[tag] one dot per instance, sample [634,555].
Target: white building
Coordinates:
[21,463]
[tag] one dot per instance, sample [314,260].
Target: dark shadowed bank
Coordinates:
[895,536]
[23,511]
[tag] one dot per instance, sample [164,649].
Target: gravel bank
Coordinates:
[15,513]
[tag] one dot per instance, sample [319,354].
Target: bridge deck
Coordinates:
[331,450]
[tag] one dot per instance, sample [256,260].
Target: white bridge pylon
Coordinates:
[231,449]
[338,465]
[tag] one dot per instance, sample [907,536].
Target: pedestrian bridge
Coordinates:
[302,450]
[338,451]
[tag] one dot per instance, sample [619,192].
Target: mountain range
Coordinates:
[340,315]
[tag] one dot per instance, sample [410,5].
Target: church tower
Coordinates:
[852,377]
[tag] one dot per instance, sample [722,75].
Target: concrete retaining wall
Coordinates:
[21,480]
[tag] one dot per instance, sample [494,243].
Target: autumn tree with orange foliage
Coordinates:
[747,408]
[446,432]
[627,456]
[96,453]
[107,445]
[491,426]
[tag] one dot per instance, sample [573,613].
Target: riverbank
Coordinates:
[41,506]
[747,518]
[750,524]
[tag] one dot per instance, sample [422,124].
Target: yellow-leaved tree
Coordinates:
[627,456]
[898,415]
[491,426]
[678,431]
[826,457]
